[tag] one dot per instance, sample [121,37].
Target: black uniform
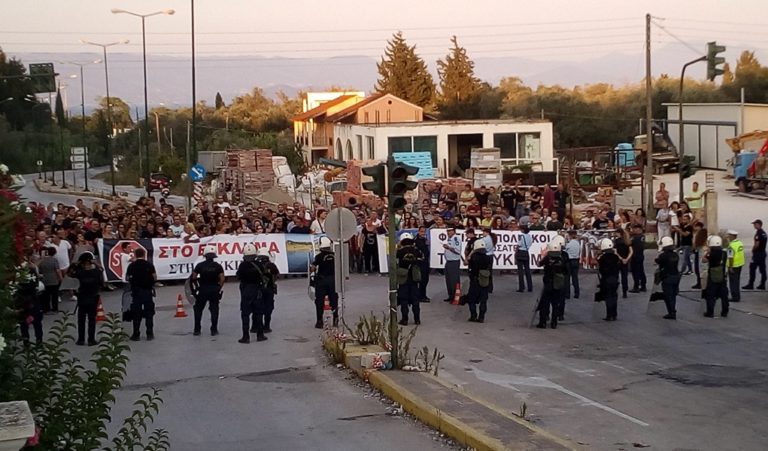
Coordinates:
[252,280]
[208,292]
[553,293]
[29,311]
[608,268]
[141,276]
[479,269]
[637,264]
[409,260]
[325,285]
[669,274]
[87,301]
[622,251]
[716,281]
[271,271]
[423,246]
[758,260]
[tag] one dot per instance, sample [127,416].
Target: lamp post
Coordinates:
[143,18]
[109,107]
[82,110]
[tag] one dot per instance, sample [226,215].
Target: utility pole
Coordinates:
[194,92]
[648,120]
[680,128]
[189,179]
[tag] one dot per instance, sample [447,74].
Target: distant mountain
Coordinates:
[169,77]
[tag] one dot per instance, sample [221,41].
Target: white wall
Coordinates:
[714,151]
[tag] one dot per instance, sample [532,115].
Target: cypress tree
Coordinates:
[404,74]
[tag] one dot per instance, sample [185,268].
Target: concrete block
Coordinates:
[16,425]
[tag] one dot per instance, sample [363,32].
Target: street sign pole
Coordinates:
[341,226]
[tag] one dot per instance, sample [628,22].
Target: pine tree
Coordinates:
[404,74]
[219,101]
[61,118]
[459,88]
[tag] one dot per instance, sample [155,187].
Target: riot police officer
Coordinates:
[608,270]
[479,268]
[90,278]
[269,289]
[409,260]
[555,279]
[324,267]
[141,276]
[251,301]
[669,274]
[421,241]
[717,259]
[210,278]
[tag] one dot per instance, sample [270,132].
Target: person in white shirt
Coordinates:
[318,225]
[63,249]
[573,253]
[177,227]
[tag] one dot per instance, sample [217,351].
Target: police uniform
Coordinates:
[208,292]
[669,272]
[716,281]
[523,261]
[141,276]
[479,261]
[622,251]
[758,258]
[87,300]
[409,260]
[423,246]
[608,267]
[252,280]
[553,293]
[735,263]
[269,290]
[325,285]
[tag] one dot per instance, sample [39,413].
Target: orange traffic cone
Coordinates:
[457,295]
[100,316]
[326,304]
[180,312]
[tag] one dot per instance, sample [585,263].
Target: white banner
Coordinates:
[503,253]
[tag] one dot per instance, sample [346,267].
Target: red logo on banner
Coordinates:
[121,255]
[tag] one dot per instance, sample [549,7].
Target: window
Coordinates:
[400,144]
[350,154]
[371,149]
[507,143]
[426,144]
[359,147]
[529,145]
[339,150]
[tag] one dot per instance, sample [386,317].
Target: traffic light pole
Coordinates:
[680,128]
[392,267]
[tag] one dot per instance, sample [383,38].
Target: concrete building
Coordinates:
[707,125]
[449,142]
[310,129]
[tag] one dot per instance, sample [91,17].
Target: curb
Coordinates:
[428,413]
[65,192]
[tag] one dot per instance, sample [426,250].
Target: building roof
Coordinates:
[352,109]
[321,109]
[674,104]
[459,122]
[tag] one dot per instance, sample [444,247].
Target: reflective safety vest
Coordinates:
[735,254]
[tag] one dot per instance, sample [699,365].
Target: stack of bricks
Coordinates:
[354,176]
[450,185]
[248,172]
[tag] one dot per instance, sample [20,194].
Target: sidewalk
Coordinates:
[46,187]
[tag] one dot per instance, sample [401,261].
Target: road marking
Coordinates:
[509,381]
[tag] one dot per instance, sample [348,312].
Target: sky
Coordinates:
[556,30]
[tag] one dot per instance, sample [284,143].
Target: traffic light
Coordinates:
[713,61]
[43,77]
[399,183]
[377,185]
[686,166]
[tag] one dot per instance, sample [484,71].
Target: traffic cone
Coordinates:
[457,295]
[180,312]
[326,304]
[100,316]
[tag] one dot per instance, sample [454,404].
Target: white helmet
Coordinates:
[732,232]
[606,244]
[667,241]
[554,246]
[325,242]
[264,252]
[479,244]
[714,241]
[250,249]
[210,249]
[559,239]
[405,236]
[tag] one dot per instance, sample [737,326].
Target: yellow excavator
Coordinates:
[750,168]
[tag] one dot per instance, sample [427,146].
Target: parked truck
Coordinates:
[750,167]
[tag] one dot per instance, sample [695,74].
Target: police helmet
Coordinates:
[714,241]
[554,246]
[606,244]
[666,242]
[325,243]
[210,251]
[479,244]
[733,232]
[264,252]
[249,250]
[405,236]
[560,240]
[85,257]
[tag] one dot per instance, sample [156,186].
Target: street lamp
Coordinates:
[143,17]
[109,107]
[82,106]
